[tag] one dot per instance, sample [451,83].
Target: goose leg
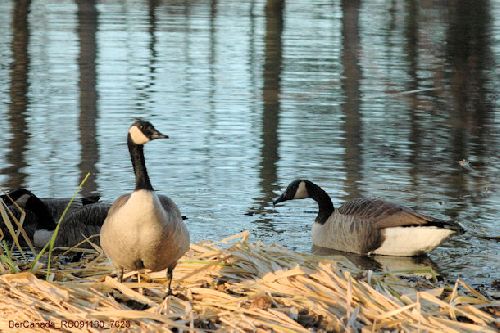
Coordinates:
[170,272]
[120,275]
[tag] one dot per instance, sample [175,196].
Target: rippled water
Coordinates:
[378,98]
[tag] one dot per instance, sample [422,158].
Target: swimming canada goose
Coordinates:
[83,219]
[370,226]
[144,230]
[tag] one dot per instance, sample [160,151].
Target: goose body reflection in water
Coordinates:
[389,264]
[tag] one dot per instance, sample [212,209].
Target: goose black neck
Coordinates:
[142,181]
[44,217]
[325,205]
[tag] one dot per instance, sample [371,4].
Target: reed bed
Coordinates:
[234,285]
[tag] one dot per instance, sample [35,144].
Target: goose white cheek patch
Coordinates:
[137,136]
[301,192]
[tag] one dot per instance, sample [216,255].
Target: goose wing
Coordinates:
[368,208]
[82,223]
[387,214]
[57,206]
[170,207]
[179,234]
[89,215]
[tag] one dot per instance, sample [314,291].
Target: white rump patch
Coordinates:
[411,241]
[301,192]
[42,237]
[137,136]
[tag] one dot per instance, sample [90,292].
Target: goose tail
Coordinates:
[449,224]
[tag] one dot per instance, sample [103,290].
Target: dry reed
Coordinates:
[238,286]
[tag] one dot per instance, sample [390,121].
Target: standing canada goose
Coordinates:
[370,226]
[83,219]
[144,230]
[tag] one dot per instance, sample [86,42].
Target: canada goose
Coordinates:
[370,226]
[144,230]
[83,219]
[24,198]
[77,225]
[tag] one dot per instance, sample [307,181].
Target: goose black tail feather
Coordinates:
[442,224]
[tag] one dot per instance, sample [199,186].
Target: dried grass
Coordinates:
[239,286]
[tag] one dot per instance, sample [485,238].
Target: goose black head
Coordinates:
[298,189]
[141,132]
[27,200]
[20,196]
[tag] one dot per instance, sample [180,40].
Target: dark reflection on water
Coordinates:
[17,113]
[271,90]
[390,99]
[89,152]
[351,77]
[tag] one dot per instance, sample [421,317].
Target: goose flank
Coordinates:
[370,226]
[144,230]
